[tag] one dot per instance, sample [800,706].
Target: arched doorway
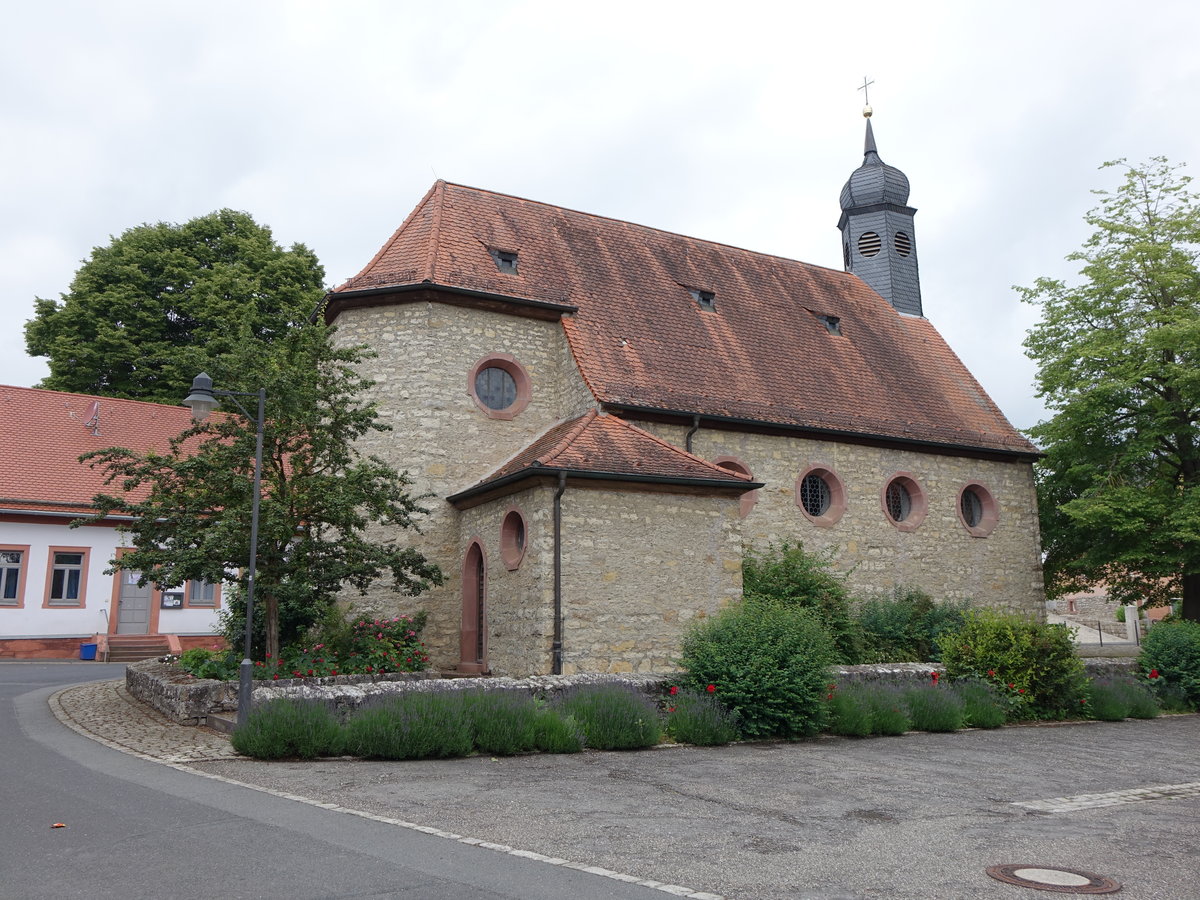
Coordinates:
[473,643]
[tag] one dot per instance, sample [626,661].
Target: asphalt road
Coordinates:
[918,817]
[135,829]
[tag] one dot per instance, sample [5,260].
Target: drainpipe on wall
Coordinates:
[695,427]
[556,665]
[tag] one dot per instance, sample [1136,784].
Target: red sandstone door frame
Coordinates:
[473,635]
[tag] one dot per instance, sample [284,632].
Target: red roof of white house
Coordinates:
[43,434]
[763,354]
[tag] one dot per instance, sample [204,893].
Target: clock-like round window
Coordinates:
[495,388]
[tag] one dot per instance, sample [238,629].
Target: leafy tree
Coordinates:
[163,302]
[1119,358]
[320,494]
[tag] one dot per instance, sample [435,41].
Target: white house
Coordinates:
[55,590]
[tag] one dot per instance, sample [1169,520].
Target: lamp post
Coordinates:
[203,400]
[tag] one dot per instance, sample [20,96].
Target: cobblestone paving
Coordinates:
[1113,798]
[105,712]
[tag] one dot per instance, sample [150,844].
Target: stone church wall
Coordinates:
[638,567]
[1002,570]
[425,353]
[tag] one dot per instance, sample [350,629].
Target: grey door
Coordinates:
[133,614]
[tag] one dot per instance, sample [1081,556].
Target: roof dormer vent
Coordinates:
[506,261]
[704,299]
[832,323]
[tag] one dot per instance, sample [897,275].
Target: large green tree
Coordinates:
[162,302]
[1119,358]
[330,516]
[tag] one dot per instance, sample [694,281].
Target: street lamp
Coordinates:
[203,400]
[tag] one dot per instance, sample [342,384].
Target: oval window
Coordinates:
[815,495]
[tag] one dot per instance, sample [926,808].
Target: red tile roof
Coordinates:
[43,434]
[596,444]
[641,339]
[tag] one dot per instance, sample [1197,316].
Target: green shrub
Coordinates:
[889,713]
[613,716]
[768,662]
[851,711]
[934,707]
[905,626]
[219,664]
[1121,614]
[502,722]
[286,728]
[787,574]
[1032,665]
[556,733]
[1119,698]
[982,707]
[1170,659]
[413,725]
[700,719]
[1108,702]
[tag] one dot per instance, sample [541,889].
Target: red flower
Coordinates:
[310,671]
[1153,673]
[1011,685]
[1020,690]
[991,673]
[829,696]
[936,676]
[276,676]
[670,709]
[711,688]
[674,690]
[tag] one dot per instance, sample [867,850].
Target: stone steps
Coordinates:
[127,648]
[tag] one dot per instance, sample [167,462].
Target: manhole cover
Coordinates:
[1056,880]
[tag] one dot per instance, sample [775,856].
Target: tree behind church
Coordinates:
[323,506]
[162,302]
[1119,358]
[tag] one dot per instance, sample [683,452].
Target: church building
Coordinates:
[603,416]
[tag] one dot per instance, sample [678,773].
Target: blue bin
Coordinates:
[87,651]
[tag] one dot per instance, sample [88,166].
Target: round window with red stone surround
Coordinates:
[514,537]
[904,502]
[821,495]
[500,386]
[977,510]
[733,464]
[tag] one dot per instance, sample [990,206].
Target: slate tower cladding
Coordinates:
[878,243]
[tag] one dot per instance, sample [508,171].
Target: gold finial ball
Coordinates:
[867,112]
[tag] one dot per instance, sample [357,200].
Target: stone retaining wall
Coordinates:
[190,701]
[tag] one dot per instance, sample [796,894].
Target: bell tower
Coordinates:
[878,242]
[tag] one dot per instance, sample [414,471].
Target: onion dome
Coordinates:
[874,181]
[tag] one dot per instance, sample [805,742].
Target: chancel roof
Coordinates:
[784,344]
[596,445]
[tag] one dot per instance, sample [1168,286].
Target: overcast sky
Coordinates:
[739,123]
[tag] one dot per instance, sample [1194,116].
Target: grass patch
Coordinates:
[934,707]
[502,722]
[416,725]
[700,719]
[287,728]
[613,716]
[982,707]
